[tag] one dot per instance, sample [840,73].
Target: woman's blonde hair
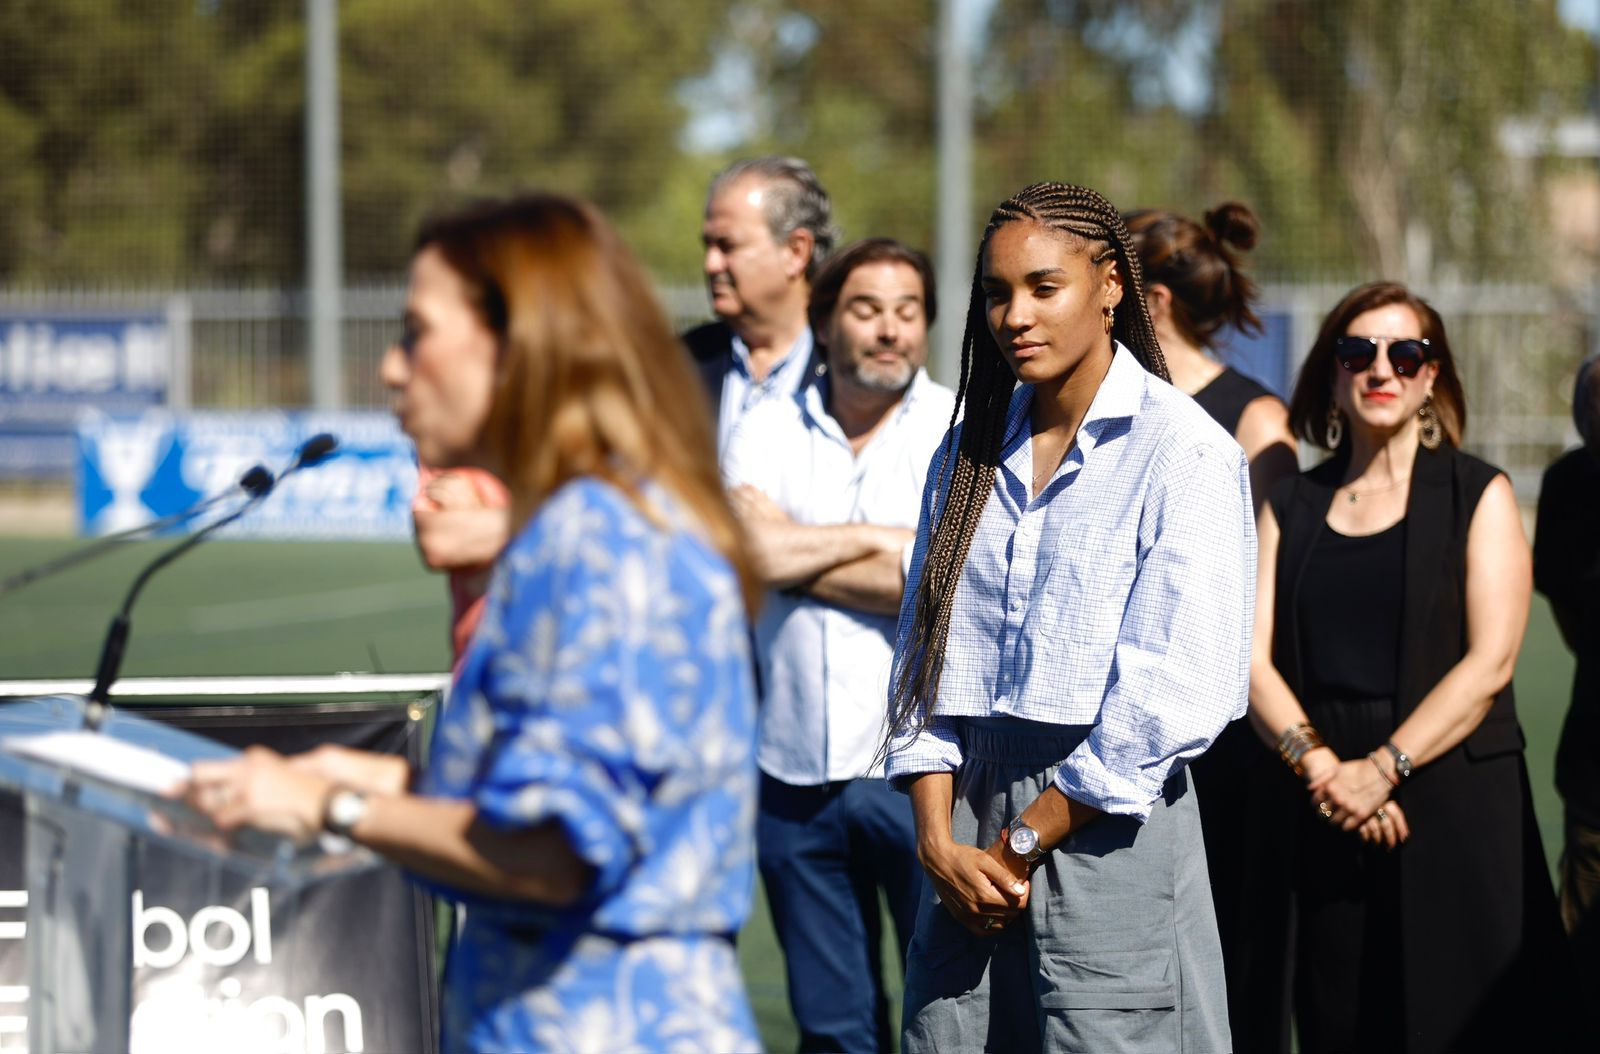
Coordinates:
[591,379]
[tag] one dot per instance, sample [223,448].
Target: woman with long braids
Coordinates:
[1076,627]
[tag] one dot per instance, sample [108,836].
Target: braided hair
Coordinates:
[984,392]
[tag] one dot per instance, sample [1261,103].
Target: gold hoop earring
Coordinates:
[1432,432]
[1335,429]
[1110,320]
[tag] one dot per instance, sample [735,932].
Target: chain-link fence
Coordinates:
[1449,143]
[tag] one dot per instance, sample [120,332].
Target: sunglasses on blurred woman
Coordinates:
[1406,355]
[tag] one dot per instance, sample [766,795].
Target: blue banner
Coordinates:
[1268,356]
[134,469]
[54,368]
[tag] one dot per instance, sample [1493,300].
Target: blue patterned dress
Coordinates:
[609,689]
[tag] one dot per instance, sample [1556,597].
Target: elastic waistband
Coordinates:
[1018,741]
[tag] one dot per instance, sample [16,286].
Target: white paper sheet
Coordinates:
[105,758]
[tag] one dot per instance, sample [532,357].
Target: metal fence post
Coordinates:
[180,368]
[324,226]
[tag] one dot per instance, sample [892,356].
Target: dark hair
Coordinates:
[1208,289]
[831,279]
[591,378]
[796,202]
[1313,389]
[984,396]
[1586,402]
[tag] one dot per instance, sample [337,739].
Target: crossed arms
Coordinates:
[851,565]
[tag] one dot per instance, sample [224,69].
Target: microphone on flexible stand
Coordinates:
[253,479]
[313,452]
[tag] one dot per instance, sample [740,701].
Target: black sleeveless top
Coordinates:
[1350,600]
[1227,395]
[1477,853]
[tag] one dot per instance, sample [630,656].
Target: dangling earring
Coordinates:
[1432,433]
[1335,431]
[1109,318]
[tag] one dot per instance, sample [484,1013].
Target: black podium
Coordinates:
[97,828]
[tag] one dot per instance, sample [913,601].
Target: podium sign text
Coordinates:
[223,963]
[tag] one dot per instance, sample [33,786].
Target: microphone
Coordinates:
[252,482]
[312,452]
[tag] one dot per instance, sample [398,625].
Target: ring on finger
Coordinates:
[1382,816]
[1325,809]
[991,924]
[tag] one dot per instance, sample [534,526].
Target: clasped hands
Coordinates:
[287,795]
[983,889]
[1353,795]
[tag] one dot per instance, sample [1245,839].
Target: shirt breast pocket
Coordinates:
[1089,584]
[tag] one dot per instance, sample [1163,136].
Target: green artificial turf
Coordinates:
[303,608]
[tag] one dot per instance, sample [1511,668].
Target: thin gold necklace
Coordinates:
[1352,495]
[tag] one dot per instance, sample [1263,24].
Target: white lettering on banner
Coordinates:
[212,464]
[14,899]
[36,358]
[196,935]
[181,1018]
[12,1024]
[185,1021]
[148,355]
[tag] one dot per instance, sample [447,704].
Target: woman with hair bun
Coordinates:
[1195,290]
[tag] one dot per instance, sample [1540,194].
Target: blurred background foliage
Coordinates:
[160,141]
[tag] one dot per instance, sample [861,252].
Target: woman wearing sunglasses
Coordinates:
[1393,594]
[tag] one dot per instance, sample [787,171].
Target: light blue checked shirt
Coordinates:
[1121,598]
[741,391]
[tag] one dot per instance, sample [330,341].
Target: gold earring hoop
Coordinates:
[1335,428]
[1110,318]
[1431,433]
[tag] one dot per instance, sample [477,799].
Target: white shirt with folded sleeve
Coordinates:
[1121,598]
[825,669]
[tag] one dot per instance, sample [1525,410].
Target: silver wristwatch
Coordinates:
[345,810]
[1024,841]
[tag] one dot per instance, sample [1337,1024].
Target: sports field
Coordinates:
[293,608]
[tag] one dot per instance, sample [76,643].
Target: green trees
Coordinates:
[152,141]
[1366,133]
[160,140]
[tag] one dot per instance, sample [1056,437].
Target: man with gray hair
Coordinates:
[768,226]
[1566,569]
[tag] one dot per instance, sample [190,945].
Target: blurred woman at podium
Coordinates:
[591,784]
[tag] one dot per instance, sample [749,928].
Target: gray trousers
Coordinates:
[1117,950]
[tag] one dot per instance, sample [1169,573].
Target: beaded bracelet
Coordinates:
[1393,781]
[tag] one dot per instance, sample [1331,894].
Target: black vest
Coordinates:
[1483,958]
[1445,487]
